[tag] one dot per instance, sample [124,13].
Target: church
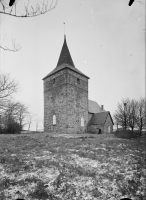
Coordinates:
[67,108]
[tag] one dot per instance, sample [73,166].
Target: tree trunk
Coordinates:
[28,127]
[140,126]
[140,130]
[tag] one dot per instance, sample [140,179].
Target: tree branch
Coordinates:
[15,47]
[29,11]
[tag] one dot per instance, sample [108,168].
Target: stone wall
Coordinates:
[76,79]
[77,105]
[55,80]
[90,116]
[95,128]
[55,102]
[66,96]
[108,124]
[105,128]
[77,102]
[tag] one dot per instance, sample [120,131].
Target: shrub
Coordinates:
[128,134]
[11,128]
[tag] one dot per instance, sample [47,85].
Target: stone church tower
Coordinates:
[65,97]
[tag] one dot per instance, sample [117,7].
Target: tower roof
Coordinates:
[65,61]
[65,57]
[63,66]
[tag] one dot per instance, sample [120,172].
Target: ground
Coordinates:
[71,167]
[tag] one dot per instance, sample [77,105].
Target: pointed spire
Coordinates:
[64,28]
[65,56]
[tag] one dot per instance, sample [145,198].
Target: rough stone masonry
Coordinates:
[65,97]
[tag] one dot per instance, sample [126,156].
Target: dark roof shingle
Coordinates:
[63,66]
[99,118]
[65,56]
[65,61]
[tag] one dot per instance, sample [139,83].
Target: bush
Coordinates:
[12,128]
[128,134]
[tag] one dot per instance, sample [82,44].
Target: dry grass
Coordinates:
[77,167]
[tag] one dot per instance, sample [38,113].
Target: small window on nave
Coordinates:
[78,81]
[54,119]
[82,121]
[53,80]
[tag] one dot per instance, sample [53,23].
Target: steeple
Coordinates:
[65,61]
[65,56]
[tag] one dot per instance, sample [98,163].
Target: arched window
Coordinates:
[82,121]
[54,119]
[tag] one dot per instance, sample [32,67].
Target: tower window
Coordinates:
[82,121]
[53,80]
[54,119]
[78,81]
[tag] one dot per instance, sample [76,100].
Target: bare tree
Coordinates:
[141,114]
[24,9]
[9,114]
[38,122]
[21,112]
[30,119]
[8,87]
[15,112]
[132,112]
[121,114]
[15,46]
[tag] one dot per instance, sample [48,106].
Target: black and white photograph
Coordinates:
[72,100]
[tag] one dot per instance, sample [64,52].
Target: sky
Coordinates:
[106,39]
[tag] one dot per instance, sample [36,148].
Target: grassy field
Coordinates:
[74,167]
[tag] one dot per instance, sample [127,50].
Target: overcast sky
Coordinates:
[106,39]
